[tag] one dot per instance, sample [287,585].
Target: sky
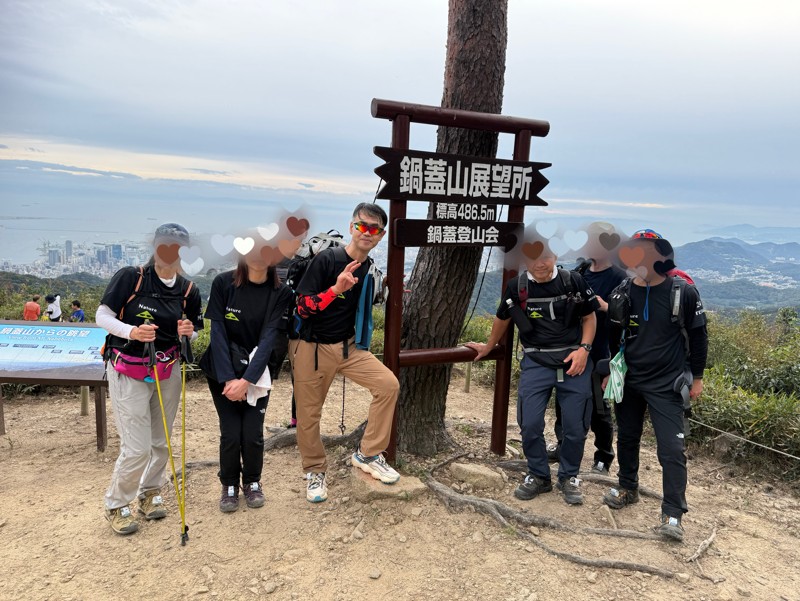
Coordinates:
[114,115]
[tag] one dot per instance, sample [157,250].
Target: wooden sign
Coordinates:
[433,177]
[423,232]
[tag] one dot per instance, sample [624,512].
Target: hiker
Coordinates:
[246,308]
[32,309]
[53,310]
[77,313]
[145,308]
[655,350]
[602,277]
[556,331]
[334,302]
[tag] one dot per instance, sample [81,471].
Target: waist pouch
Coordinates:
[137,368]
[552,358]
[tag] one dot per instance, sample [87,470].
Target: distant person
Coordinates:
[246,308]
[77,312]
[334,302]
[53,310]
[666,356]
[152,304]
[32,310]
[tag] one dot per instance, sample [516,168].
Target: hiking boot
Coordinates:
[376,466]
[617,498]
[151,505]
[600,468]
[229,501]
[317,489]
[254,495]
[122,520]
[532,487]
[670,527]
[571,489]
[553,452]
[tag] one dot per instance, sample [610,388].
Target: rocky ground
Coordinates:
[56,544]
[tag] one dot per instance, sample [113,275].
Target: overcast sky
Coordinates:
[679,115]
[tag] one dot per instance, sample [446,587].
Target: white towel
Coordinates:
[260,388]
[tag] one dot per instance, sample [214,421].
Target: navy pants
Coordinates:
[536,384]
[666,414]
[602,426]
[241,440]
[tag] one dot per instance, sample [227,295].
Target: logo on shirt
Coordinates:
[535,315]
[145,315]
[230,315]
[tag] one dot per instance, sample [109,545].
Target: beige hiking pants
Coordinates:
[311,387]
[143,452]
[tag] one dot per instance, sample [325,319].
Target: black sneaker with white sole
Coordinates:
[532,487]
[571,489]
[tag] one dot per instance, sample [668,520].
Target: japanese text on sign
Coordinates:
[448,210]
[451,234]
[446,177]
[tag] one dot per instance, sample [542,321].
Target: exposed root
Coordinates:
[707,577]
[506,516]
[288,438]
[703,546]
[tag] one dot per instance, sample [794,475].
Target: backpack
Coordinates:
[619,305]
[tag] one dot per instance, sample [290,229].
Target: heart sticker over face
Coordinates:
[168,252]
[631,257]
[576,240]
[192,268]
[558,246]
[609,241]
[268,232]
[189,254]
[296,226]
[547,228]
[243,245]
[222,245]
[533,251]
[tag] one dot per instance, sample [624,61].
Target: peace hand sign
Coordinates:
[346,279]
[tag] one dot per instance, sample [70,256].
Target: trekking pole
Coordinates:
[186,357]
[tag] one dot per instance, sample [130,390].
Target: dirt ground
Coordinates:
[56,544]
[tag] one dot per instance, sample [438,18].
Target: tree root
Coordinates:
[506,517]
[520,465]
[703,546]
[288,438]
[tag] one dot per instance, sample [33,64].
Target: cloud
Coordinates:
[305,185]
[32,149]
[3,146]
[207,171]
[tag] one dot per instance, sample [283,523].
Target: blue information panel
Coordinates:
[41,350]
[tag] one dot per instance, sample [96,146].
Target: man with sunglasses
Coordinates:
[334,302]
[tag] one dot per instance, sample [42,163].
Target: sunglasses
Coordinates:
[646,234]
[368,228]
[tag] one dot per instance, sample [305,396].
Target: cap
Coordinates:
[174,231]
[663,245]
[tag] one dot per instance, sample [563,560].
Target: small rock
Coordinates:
[478,476]
[345,499]
[724,596]
[477,537]
[591,577]
[534,530]
[533,597]
[416,512]
[357,534]
[529,549]
[202,590]
[682,577]
[270,587]
[254,590]
[402,538]
[743,592]
[375,574]
[208,573]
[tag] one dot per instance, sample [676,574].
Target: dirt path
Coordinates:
[55,543]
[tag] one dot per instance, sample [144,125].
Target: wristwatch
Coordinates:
[588,347]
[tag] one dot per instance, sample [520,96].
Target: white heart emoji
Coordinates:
[243,245]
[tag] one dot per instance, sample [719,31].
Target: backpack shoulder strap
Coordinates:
[676,299]
[136,289]
[522,287]
[566,279]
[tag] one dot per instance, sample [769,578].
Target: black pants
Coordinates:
[666,414]
[602,425]
[241,440]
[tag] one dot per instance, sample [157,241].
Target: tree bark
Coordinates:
[442,280]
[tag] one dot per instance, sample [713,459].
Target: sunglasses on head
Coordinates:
[368,228]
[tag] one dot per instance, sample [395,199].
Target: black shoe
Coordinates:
[229,501]
[670,527]
[600,467]
[570,488]
[553,453]
[617,498]
[532,487]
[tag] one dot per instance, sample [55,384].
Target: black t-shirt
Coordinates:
[155,302]
[602,282]
[655,349]
[242,312]
[337,321]
[548,332]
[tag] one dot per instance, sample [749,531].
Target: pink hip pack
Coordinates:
[137,368]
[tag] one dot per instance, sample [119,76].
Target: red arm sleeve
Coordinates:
[313,303]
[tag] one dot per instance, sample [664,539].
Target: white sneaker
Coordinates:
[376,466]
[317,489]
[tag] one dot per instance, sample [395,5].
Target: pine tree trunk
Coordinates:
[442,279]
